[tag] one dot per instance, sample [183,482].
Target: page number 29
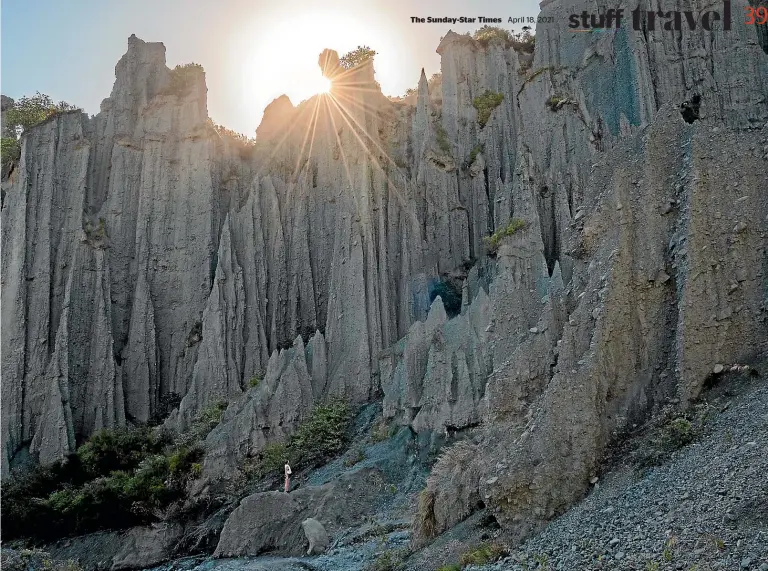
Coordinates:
[757,15]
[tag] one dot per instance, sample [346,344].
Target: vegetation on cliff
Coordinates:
[493,241]
[356,57]
[183,78]
[523,41]
[118,478]
[22,115]
[321,436]
[485,104]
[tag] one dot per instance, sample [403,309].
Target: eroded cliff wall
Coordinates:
[146,256]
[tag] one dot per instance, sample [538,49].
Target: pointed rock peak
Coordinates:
[452,38]
[141,52]
[226,235]
[317,338]
[142,68]
[464,296]
[423,83]
[276,116]
[437,314]
[273,365]
[422,101]
[481,298]
[298,343]
[224,255]
[279,103]
[136,44]
[329,63]
[556,281]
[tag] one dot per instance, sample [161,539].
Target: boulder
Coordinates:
[274,522]
[316,535]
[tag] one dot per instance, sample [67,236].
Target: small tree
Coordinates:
[22,115]
[356,57]
[487,33]
[183,77]
[29,111]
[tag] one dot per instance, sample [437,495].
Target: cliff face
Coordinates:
[146,257]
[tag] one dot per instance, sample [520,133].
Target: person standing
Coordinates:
[287,476]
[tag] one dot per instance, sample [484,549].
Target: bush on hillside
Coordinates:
[442,139]
[34,559]
[10,151]
[493,241]
[321,436]
[356,57]
[182,78]
[485,104]
[30,111]
[487,33]
[118,478]
[483,554]
[22,115]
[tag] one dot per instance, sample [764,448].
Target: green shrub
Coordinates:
[34,560]
[488,33]
[493,241]
[520,42]
[381,431]
[391,560]
[356,57]
[269,461]
[321,436]
[206,421]
[22,115]
[485,104]
[213,414]
[524,42]
[442,139]
[118,449]
[357,457]
[182,78]
[182,460]
[450,567]
[677,434]
[554,102]
[473,154]
[324,433]
[10,151]
[674,433]
[224,132]
[482,554]
[30,111]
[254,382]
[118,478]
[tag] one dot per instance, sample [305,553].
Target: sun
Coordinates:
[323,85]
[282,56]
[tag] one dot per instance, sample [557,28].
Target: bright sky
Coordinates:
[252,50]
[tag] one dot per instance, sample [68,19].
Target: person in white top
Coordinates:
[287,476]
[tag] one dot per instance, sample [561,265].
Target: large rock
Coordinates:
[271,522]
[316,535]
[134,548]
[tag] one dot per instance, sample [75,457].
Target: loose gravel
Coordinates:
[704,509]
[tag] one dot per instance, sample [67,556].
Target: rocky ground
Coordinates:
[659,505]
[706,508]
[702,507]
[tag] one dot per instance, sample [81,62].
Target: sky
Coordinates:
[252,50]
